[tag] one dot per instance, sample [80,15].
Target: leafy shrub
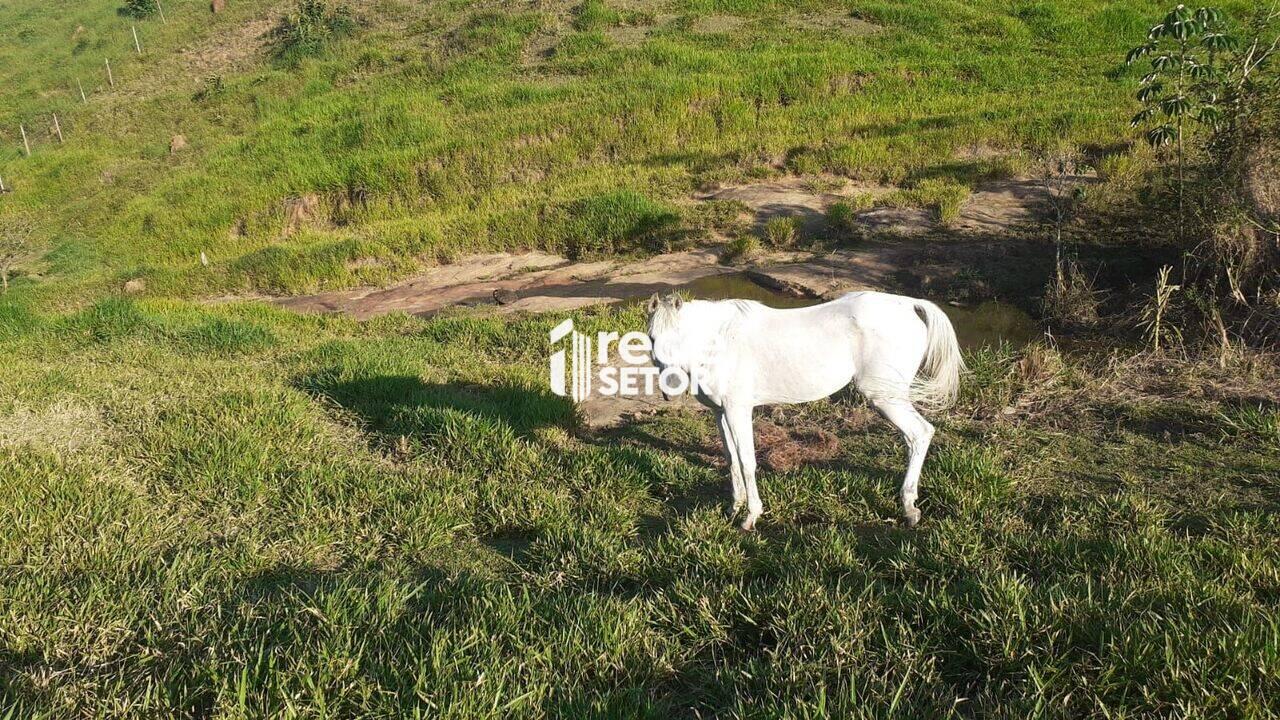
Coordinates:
[211,88]
[139,8]
[782,232]
[309,28]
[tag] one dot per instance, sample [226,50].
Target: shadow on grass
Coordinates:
[404,405]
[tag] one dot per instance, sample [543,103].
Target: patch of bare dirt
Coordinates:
[715,24]
[836,21]
[627,35]
[539,48]
[979,152]
[300,212]
[235,49]
[832,274]
[601,411]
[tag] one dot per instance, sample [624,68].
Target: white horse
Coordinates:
[743,354]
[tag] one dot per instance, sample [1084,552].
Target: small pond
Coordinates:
[990,322]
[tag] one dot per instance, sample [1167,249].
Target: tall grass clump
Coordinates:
[595,15]
[309,28]
[616,222]
[842,215]
[943,196]
[782,232]
[742,248]
[1157,319]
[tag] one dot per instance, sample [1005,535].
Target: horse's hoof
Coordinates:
[749,524]
[911,518]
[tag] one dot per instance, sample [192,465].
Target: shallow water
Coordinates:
[988,323]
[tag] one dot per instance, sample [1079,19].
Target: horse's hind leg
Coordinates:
[918,433]
[735,469]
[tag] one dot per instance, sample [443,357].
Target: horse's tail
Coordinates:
[938,381]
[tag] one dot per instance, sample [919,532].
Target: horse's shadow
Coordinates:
[404,406]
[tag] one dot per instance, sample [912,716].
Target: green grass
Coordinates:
[230,511]
[467,129]
[236,512]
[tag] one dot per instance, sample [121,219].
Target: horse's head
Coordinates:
[664,330]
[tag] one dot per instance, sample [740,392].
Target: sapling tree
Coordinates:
[1187,81]
[15,244]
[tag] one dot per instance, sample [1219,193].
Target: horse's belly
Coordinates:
[804,377]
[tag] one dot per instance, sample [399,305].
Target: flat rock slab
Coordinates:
[531,282]
[895,222]
[1004,206]
[833,274]
[793,197]
[1009,207]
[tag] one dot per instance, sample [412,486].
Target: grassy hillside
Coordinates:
[441,128]
[230,511]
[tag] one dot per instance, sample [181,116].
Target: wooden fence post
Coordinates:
[26,145]
[110,78]
[57,127]
[136,45]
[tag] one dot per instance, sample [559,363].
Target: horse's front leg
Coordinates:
[735,469]
[739,432]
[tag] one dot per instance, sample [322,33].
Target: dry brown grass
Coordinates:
[785,449]
[64,427]
[1071,298]
[1047,387]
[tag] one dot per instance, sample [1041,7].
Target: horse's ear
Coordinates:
[653,303]
[676,301]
